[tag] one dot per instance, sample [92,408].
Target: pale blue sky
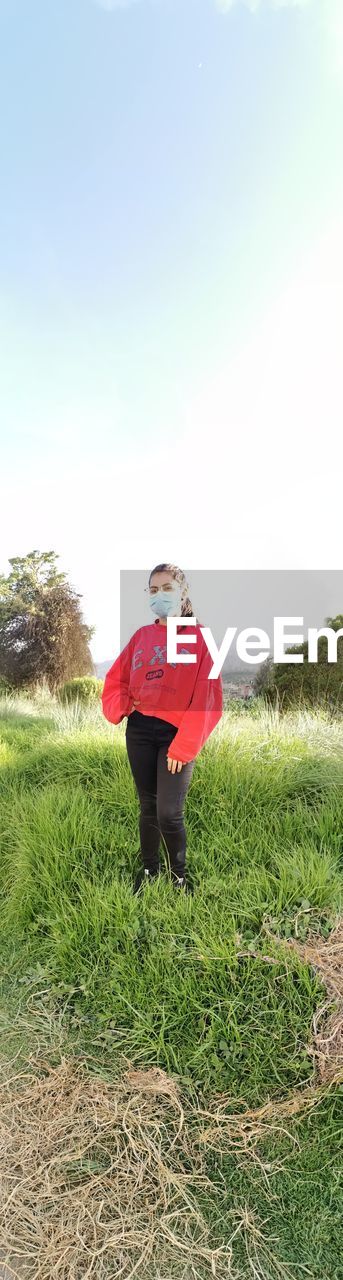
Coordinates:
[170,230]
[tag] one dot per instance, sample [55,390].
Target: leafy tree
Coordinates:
[262,678]
[42,635]
[310,682]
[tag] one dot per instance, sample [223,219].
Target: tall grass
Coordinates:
[204,987]
[264,818]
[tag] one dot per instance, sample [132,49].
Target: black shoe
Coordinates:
[182,884]
[143,876]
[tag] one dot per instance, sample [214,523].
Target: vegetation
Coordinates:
[42,635]
[220,994]
[307,683]
[85,690]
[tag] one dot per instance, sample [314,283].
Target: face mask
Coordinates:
[166,602]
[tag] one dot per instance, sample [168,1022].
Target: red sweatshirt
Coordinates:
[178,692]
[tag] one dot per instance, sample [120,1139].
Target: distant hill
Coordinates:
[228,673]
[102,667]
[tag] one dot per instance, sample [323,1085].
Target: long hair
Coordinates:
[186,606]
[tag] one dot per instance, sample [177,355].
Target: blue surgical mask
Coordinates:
[166,602]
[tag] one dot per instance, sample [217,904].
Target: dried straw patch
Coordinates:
[326,957]
[244,1133]
[100,1179]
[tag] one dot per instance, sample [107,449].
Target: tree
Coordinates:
[312,682]
[262,678]
[42,635]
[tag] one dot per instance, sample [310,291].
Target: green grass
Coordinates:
[197,986]
[297,1205]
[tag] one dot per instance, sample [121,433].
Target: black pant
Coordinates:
[161,793]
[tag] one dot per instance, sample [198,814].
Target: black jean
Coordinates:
[161,793]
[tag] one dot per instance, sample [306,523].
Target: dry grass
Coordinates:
[95,1180]
[327,959]
[101,1178]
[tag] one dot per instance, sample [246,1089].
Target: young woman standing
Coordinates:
[171,710]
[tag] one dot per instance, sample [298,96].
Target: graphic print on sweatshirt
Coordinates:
[179,692]
[158,654]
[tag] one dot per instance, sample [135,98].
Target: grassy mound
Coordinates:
[221,994]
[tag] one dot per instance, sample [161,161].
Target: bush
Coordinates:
[85,689]
[5,686]
[306,684]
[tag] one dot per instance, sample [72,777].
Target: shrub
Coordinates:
[85,689]
[5,686]
[307,683]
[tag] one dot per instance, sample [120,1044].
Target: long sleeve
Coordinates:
[115,696]
[202,715]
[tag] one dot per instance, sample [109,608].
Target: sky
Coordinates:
[171,288]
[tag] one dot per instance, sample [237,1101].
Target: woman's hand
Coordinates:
[174,765]
[135,704]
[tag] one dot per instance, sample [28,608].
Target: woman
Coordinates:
[171,710]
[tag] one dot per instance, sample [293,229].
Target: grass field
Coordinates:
[199,1038]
